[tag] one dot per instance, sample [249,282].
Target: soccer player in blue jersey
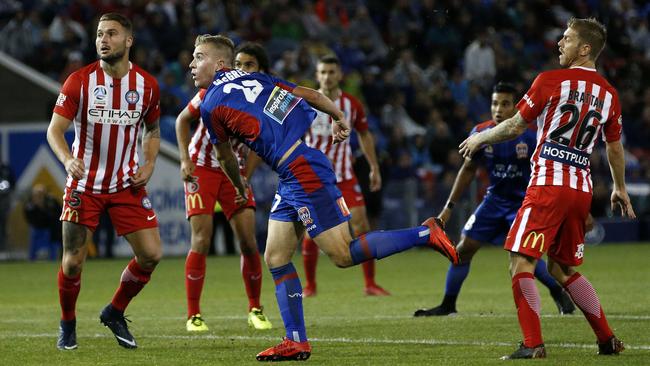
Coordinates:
[508,165]
[270,116]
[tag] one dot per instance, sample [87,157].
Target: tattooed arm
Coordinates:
[504,131]
[150,148]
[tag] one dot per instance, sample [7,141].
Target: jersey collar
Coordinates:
[582,67]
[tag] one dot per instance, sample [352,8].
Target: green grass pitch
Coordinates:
[345,327]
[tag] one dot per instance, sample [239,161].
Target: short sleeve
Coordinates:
[533,102]
[194,105]
[153,112]
[67,104]
[614,124]
[358,119]
[286,85]
[478,155]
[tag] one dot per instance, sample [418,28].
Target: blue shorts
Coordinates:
[492,219]
[307,192]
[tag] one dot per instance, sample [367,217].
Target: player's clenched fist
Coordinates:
[340,130]
[75,167]
[187,170]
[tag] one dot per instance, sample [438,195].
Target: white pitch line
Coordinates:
[356,318]
[432,342]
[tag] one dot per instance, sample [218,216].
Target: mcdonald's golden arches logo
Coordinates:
[536,237]
[193,199]
[70,214]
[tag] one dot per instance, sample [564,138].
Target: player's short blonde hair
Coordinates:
[221,43]
[591,32]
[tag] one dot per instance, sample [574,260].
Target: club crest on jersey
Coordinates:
[305,216]
[146,203]
[192,187]
[522,150]
[132,97]
[488,150]
[100,94]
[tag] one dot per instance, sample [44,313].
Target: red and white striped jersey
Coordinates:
[570,106]
[319,135]
[107,114]
[200,149]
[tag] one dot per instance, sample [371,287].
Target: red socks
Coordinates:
[194,278]
[251,271]
[310,253]
[133,280]
[528,302]
[69,288]
[584,296]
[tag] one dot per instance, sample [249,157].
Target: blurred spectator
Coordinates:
[394,115]
[42,213]
[480,66]
[21,36]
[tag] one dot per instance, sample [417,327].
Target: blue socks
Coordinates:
[381,244]
[288,292]
[541,273]
[456,275]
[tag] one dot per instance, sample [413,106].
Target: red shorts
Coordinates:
[551,220]
[210,186]
[130,209]
[351,191]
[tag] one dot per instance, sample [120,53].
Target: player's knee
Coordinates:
[72,265]
[274,259]
[341,260]
[150,260]
[201,242]
[248,247]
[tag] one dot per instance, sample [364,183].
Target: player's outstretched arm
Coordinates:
[504,131]
[55,137]
[367,144]
[463,179]
[616,160]
[230,166]
[183,122]
[150,148]
[340,129]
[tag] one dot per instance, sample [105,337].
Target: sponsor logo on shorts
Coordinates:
[522,150]
[70,214]
[535,238]
[193,201]
[342,206]
[192,187]
[146,203]
[305,216]
[580,251]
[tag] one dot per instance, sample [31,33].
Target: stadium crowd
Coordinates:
[424,69]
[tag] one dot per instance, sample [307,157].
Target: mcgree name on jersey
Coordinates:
[122,117]
[229,76]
